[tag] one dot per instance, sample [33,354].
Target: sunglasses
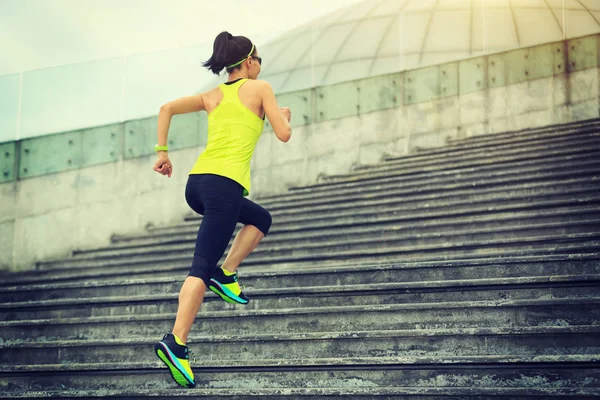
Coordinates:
[259,59]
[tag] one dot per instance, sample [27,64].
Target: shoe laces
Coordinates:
[190,356]
[238,281]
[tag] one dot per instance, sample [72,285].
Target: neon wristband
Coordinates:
[161,148]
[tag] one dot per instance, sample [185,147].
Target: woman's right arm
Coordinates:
[182,105]
[279,122]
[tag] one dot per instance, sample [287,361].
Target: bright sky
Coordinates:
[44,33]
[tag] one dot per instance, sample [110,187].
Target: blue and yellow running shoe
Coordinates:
[175,355]
[225,284]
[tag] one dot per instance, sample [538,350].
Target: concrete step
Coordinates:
[549,244]
[584,243]
[428,182]
[496,288]
[436,168]
[400,198]
[480,377]
[412,190]
[496,145]
[298,239]
[477,156]
[186,231]
[384,214]
[435,233]
[485,236]
[525,134]
[434,343]
[460,162]
[462,314]
[387,204]
[475,224]
[387,393]
[177,232]
[254,278]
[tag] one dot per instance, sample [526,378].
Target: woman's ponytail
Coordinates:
[227,50]
[221,46]
[217,61]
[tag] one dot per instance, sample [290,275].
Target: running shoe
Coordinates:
[175,355]
[226,285]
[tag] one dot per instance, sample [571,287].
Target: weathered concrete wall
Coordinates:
[52,213]
[49,216]
[326,148]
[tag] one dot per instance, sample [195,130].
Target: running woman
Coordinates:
[218,184]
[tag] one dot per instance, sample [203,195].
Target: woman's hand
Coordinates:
[163,164]
[286,113]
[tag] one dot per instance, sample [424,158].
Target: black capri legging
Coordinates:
[221,201]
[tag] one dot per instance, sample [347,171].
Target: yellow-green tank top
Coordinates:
[233,131]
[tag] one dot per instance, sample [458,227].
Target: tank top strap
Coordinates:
[230,92]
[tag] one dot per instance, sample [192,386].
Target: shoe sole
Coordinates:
[176,374]
[217,289]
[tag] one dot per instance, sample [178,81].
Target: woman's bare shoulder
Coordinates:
[212,93]
[258,83]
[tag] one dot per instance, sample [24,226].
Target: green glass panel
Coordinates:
[583,53]
[540,62]
[8,154]
[421,85]
[140,136]
[496,71]
[516,64]
[337,101]
[202,128]
[101,145]
[183,131]
[559,57]
[50,154]
[449,79]
[379,93]
[300,104]
[472,75]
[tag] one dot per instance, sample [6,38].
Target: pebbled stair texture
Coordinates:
[465,272]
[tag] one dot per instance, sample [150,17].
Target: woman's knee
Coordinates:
[255,215]
[265,222]
[202,269]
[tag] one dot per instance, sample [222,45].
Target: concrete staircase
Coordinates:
[468,272]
